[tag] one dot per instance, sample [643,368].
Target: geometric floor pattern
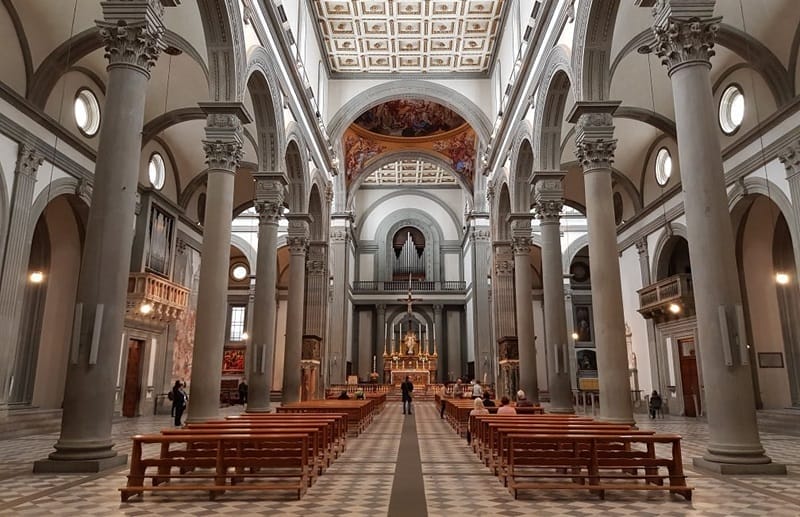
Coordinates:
[360,481]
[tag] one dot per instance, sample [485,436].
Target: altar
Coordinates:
[420,378]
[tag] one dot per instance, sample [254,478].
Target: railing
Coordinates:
[153,298]
[416,286]
[655,299]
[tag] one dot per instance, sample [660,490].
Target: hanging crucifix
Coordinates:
[409,300]
[410,339]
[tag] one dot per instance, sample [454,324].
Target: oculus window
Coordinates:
[156,171]
[663,166]
[731,109]
[239,272]
[87,112]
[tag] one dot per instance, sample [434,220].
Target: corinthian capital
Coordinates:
[28,161]
[521,245]
[594,135]
[548,210]
[133,33]
[268,212]
[595,154]
[223,155]
[683,40]
[790,158]
[298,232]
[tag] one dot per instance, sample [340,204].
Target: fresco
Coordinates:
[461,151]
[357,150]
[409,118]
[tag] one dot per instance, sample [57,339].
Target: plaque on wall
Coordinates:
[159,250]
[770,360]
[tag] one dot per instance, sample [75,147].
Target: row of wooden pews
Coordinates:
[283,451]
[457,411]
[568,452]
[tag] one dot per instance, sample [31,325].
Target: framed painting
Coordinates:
[233,360]
[583,324]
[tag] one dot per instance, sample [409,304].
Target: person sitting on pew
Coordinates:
[479,409]
[505,408]
[487,399]
[522,401]
[343,395]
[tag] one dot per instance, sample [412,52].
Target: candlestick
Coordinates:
[373,363]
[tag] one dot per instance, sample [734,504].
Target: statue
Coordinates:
[410,341]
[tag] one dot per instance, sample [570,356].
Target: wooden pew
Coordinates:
[595,462]
[278,461]
[340,423]
[359,412]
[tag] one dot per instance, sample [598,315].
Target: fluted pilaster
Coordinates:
[297,241]
[521,244]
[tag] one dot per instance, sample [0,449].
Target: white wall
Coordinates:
[386,206]
[630,275]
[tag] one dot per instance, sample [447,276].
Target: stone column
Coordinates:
[337,315]
[223,148]
[132,32]
[438,345]
[521,244]
[504,318]
[685,33]
[790,157]
[595,151]
[382,344]
[15,264]
[549,198]
[269,195]
[485,352]
[298,245]
[316,300]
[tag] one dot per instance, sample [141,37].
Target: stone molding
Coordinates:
[133,33]
[28,161]
[684,34]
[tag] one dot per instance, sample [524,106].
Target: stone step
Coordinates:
[29,421]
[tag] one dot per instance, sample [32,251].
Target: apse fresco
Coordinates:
[460,148]
[358,150]
[409,118]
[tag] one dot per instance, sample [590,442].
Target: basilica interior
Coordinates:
[581,203]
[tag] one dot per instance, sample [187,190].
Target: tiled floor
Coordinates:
[360,482]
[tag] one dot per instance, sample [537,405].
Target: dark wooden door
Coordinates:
[133,378]
[689,377]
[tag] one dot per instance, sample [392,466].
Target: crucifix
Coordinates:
[410,338]
[409,300]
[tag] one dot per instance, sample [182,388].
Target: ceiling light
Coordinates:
[146,308]
[674,308]
[782,278]
[36,277]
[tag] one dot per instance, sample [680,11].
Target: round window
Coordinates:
[663,166]
[87,112]
[156,171]
[731,109]
[239,272]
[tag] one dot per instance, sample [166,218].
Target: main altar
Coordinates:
[412,358]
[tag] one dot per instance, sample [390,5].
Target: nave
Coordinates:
[406,466]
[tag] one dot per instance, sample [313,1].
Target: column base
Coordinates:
[79,466]
[769,468]
[259,410]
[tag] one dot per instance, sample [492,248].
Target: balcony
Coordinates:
[667,299]
[372,286]
[153,299]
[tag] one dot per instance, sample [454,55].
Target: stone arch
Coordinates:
[522,170]
[549,110]
[247,250]
[296,159]
[316,208]
[591,44]
[79,46]
[759,185]
[503,208]
[265,92]
[393,156]
[321,184]
[429,228]
[572,251]
[224,36]
[664,246]
[374,206]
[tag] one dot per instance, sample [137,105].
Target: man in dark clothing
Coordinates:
[179,400]
[243,392]
[487,399]
[407,387]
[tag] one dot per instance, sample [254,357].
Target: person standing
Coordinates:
[477,390]
[407,387]
[243,392]
[179,401]
[655,404]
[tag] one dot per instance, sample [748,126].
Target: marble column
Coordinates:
[269,195]
[685,33]
[223,149]
[298,245]
[595,151]
[504,318]
[316,301]
[338,333]
[485,351]
[132,33]
[521,244]
[15,265]
[549,199]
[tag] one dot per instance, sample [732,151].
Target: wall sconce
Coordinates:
[674,308]
[780,278]
[37,277]
[575,336]
[146,308]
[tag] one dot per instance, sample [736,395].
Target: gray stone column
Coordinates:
[337,315]
[595,152]
[316,301]
[298,245]
[549,199]
[15,264]
[790,157]
[269,205]
[685,33]
[521,244]
[504,318]
[380,311]
[132,33]
[485,351]
[223,148]
[439,343]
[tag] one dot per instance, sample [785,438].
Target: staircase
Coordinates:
[29,421]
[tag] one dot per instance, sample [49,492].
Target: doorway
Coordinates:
[133,378]
[689,377]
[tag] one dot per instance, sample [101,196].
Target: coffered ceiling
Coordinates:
[410,172]
[405,36]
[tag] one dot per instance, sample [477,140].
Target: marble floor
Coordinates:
[360,481]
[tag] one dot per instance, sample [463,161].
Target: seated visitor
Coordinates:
[360,395]
[478,409]
[343,395]
[458,391]
[522,401]
[487,399]
[504,408]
